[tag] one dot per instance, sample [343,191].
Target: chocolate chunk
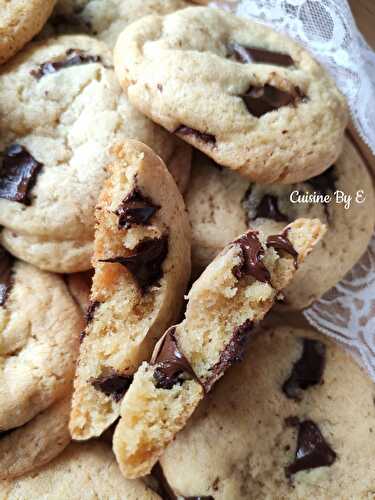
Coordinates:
[262,100]
[243,54]
[146,262]
[252,254]
[171,365]
[74,57]
[307,371]
[233,353]
[18,173]
[6,271]
[93,305]
[202,136]
[268,209]
[312,449]
[135,209]
[113,385]
[282,242]
[325,182]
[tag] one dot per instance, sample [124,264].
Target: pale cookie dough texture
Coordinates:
[20,20]
[295,420]
[106,19]
[232,295]
[36,443]
[222,205]
[142,269]
[250,98]
[82,472]
[40,326]
[67,109]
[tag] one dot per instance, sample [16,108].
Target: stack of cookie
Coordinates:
[207,156]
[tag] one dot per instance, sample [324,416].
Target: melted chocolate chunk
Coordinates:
[171,365]
[135,209]
[6,271]
[146,262]
[262,100]
[282,242]
[312,449]
[268,209]
[243,54]
[233,353]
[252,254]
[18,173]
[92,307]
[113,385]
[325,182]
[307,371]
[74,57]
[202,136]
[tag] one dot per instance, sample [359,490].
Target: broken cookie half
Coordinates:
[142,267]
[231,296]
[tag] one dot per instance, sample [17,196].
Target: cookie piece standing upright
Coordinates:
[231,296]
[55,148]
[248,97]
[40,326]
[142,268]
[295,420]
[221,205]
[84,471]
[21,20]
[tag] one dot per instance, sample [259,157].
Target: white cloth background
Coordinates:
[328,30]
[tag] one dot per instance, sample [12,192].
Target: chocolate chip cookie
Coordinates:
[294,420]
[20,21]
[67,109]
[82,471]
[222,204]
[106,19]
[248,97]
[142,268]
[233,294]
[39,340]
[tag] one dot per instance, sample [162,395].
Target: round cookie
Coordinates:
[67,109]
[20,21]
[83,472]
[295,419]
[248,97]
[222,205]
[106,19]
[35,443]
[40,326]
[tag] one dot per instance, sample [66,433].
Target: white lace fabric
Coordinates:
[327,29]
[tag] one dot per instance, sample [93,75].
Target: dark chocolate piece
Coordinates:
[202,136]
[312,449]
[146,262]
[113,385]
[282,242]
[243,54]
[307,371]
[6,271]
[93,305]
[268,208]
[325,182]
[233,353]
[74,57]
[135,209]
[18,173]
[262,100]
[171,365]
[252,254]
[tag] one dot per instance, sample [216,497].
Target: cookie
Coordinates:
[295,419]
[106,19]
[20,21]
[221,205]
[39,339]
[142,268]
[233,294]
[36,443]
[83,472]
[248,97]
[53,162]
